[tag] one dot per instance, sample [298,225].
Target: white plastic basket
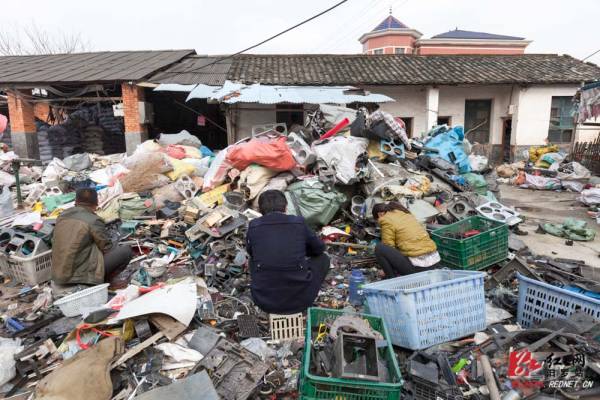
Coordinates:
[27,270]
[286,327]
[73,304]
[539,301]
[431,307]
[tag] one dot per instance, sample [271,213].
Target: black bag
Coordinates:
[377,132]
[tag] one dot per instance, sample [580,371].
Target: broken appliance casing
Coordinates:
[498,212]
[356,357]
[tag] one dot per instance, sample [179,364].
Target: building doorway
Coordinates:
[477,120]
[506,136]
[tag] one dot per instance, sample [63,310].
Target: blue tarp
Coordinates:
[451,142]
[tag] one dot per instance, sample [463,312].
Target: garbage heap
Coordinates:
[179,320]
[547,168]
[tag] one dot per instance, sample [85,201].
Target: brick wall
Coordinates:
[41,111]
[20,114]
[388,43]
[132,94]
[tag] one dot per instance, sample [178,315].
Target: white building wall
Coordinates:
[411,102]
[452,103]
[533,112]
[246,115]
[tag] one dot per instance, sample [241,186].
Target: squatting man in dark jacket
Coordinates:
[287,259]
[82,253]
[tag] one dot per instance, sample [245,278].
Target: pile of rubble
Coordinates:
[179,320]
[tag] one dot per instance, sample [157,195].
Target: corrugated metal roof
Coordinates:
[174,87]
[196,69]
[232,93]
[86,67]
[460,34]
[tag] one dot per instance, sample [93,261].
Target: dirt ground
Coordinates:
[540,206]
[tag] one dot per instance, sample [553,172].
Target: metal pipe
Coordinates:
[490,380]
[343,244]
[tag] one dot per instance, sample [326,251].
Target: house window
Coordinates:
[444,121]
[408,125]
[378,51]
[290,114]
[477,120]
[561,120]
[399,50]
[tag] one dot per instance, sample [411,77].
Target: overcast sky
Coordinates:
[226,26]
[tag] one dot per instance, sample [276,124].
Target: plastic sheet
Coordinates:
[574,229]
[177,300]
[217,172]
[78,162]
[478,163]
[182,138]
[572,171]
[8,348]
[342,154]
[450,147]
[590,196]
[180,168]
[6,204]
[201,165]
[55,170]
[541,182]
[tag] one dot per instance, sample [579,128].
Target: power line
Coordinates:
[360,17]
[360,28]
[263,42]
[593,54]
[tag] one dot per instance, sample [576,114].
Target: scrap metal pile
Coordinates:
[179,320]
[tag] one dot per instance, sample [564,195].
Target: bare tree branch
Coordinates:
[34,40]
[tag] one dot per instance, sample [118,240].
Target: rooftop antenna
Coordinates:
[390,9]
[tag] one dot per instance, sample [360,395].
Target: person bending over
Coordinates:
[287,259]
[81,250]
[405,246]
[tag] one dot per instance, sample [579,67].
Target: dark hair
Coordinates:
[387,207]
[87,197]
[271,201]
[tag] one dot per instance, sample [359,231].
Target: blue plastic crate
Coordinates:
[427,308]
[539,301]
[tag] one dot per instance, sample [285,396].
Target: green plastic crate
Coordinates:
[476,252]
[320,387]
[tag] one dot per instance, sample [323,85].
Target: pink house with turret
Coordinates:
[393,37]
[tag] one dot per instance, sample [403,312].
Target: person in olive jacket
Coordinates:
[405,246]
[287,262]
[81,251]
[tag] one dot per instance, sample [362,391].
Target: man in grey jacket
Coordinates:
[81,250]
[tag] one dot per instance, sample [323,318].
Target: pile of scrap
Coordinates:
[179,321]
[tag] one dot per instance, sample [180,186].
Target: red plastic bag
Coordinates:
[174,151]
[271,153]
